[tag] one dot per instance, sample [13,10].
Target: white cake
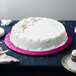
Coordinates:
[38,34]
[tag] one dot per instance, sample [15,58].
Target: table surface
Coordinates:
[48,60]
[51,61]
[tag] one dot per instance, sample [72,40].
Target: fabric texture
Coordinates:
[38,65]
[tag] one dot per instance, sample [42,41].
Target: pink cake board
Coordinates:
[16,49]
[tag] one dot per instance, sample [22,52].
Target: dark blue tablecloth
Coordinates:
[38,65]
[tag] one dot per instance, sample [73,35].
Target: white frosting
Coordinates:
[74,52]
[2,32]
[38,34]
[6,22]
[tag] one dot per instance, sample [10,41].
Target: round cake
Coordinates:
[38,34]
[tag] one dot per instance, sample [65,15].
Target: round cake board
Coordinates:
[19,50]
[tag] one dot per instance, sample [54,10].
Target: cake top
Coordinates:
[74,52]
[38,29]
